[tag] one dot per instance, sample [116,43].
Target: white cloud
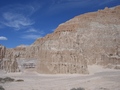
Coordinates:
[3,38]
[33,33]
[32,30]
[16,21]
[17,16]
[31,36]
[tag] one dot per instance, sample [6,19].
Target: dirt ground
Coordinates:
[98,79]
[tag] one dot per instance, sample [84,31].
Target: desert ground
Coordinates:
[98,79]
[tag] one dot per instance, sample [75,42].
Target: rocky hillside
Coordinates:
[91,38]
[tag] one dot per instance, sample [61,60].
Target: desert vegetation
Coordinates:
[80,88]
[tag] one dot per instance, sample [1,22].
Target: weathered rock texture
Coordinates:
[8,60]
[2,52]
[92,38]
[12,60]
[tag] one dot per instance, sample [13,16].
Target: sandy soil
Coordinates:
[98,79]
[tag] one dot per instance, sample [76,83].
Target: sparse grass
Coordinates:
[78,88]
[102,88]
[6,79]
[19,80]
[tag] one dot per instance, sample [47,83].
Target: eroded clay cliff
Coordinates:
[2,52]
[91,38]
[8,61]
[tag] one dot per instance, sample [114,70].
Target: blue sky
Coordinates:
[23,21]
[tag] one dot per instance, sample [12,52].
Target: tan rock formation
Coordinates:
[85,39]
[91,38]
[8,60]
[15,58]
[2,52]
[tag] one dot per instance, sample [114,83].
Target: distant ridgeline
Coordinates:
[91,38]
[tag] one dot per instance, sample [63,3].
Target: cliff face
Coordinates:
[91,38]
[2,52]
[8,60]
[13,59]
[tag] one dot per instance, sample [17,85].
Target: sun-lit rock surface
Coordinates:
[2,52]
[8,61]
[91,38]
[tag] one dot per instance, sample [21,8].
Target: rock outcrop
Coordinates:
[91,38]
[2,52]
[17,59]
[8,60]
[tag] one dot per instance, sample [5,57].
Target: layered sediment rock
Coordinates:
[91,38]
[8,60]
[61,54]
[84,40]
[13,59]
[2,52]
